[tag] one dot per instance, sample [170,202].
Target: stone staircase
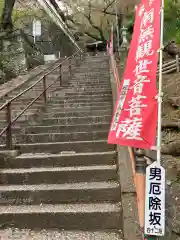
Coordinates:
[65,175]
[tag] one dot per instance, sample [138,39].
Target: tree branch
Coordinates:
[88,17]
[109,5]
[93,36]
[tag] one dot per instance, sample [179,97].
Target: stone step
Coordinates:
[97,61]
[60,121]
[15,111]
[37,90]
[84,192]
[91,67]
[93,72]
[98,75]
[87,73]
[91,79]
[16,130]
[67,96]
[19,107]
[66,159]
[94,216]
[88,88]
[58,137]
[86,70]
[90,108]
[97,64]
[24,117]
[51,109]
[12,234]
[91,89]
[65,177]
[91,84]
[77,113]
[58,147]
[61,99]
[80,105]
[84,97]
[76,120]
[58,175]
[23,100]
[88,99]
[3,123]
[90,93]
[66,128]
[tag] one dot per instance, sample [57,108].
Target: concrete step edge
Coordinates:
[12,234]
[44,155]
[60,208]
[57,134]
[85,111]
[58,169]
[84,117]
[29,127]
[66,186]
[57,143]
[70,125]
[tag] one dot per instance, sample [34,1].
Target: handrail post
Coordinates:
[60,74]
[44,93]
[9,127]
[70,69]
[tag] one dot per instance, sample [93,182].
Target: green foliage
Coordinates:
[172,20]
[22,16]
[1,7]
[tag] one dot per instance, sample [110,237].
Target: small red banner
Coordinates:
[135,119]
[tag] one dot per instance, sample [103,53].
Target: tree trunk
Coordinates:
[7,15]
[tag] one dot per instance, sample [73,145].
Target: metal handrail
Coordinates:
[7,105]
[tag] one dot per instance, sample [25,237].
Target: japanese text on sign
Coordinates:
[155,200]
[120,103]
[136,104]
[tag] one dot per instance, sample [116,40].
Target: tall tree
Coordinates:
[6,21]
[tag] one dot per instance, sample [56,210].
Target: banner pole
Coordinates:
[160,93]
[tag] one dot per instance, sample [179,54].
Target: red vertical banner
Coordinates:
[135,118]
